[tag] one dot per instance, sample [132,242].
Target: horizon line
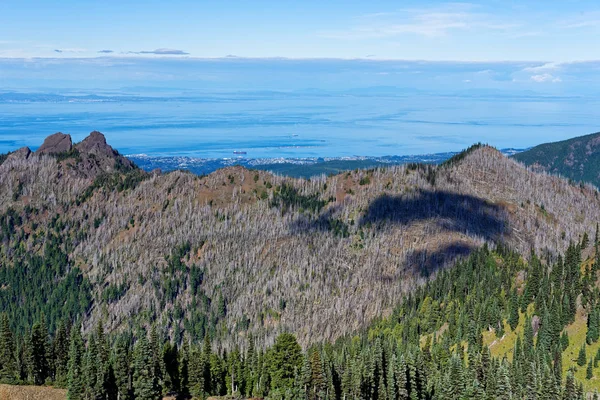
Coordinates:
[283,58]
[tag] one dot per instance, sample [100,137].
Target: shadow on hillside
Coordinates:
[442,211]
[307,223]
[425,262]
[450,211]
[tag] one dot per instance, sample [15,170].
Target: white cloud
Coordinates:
[73,50]
[162,52]
[428,22]
[544,67]
[546,77]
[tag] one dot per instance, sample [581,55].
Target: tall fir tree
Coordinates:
[317,376]
[8,362]
[184,364]
[145,382]
[37,356]
[157,358]
[60,346]
[75,378]
[91,368]
[196,372]
[122,368]
[513,319]
[582,357]
[285,359]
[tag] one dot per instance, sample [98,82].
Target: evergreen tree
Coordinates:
[570,392]
[157,359]
[564,340]
[60,346]
[504,389]
[455,378]
[381,389]
[513,319]
[145,382]
[122,368]
[593,328]
[582,357]
[102,360]
[285,359]
[207,375]
[76,385]
[402,380]
[37,356]
[184,363]
[317,377]
[196,372]
[391,378]
[8,362]
[550,389]
[589,373]
[171,363]
[250,366]
[91,368]
[585,241]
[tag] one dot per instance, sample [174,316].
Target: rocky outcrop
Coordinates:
[95,143]
[86,159]
[20,154]
[57,143]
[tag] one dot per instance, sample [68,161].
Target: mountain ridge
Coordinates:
[276,254]
[577,158]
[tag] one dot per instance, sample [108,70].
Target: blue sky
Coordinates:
[530,30]
[542,46]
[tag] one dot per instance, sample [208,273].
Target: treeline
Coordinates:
[432,347]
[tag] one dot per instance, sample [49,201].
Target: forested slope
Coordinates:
[577,158]
[440,342]
[240,251]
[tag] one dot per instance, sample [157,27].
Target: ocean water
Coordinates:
[298,124]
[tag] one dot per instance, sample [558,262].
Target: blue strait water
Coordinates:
[298,124]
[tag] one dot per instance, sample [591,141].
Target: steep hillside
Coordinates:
[242,251]
[577,159]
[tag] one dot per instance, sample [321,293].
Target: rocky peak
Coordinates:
[97,155]
[95,143]
[56,143]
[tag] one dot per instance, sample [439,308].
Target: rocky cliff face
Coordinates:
[56,143]
[98,156]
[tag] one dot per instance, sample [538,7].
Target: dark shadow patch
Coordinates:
[427,262]
[453,212]
[448,212]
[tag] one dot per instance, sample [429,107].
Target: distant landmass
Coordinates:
[577,159]
[292,167]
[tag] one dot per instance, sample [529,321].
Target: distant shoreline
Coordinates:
[304,167]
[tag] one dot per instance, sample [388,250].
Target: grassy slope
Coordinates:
[10,392]
[500,347]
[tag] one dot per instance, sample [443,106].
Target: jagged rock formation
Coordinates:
[321,258]
[97,155]
[20,154]
[56,143]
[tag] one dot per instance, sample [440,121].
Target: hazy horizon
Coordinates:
[334,79]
